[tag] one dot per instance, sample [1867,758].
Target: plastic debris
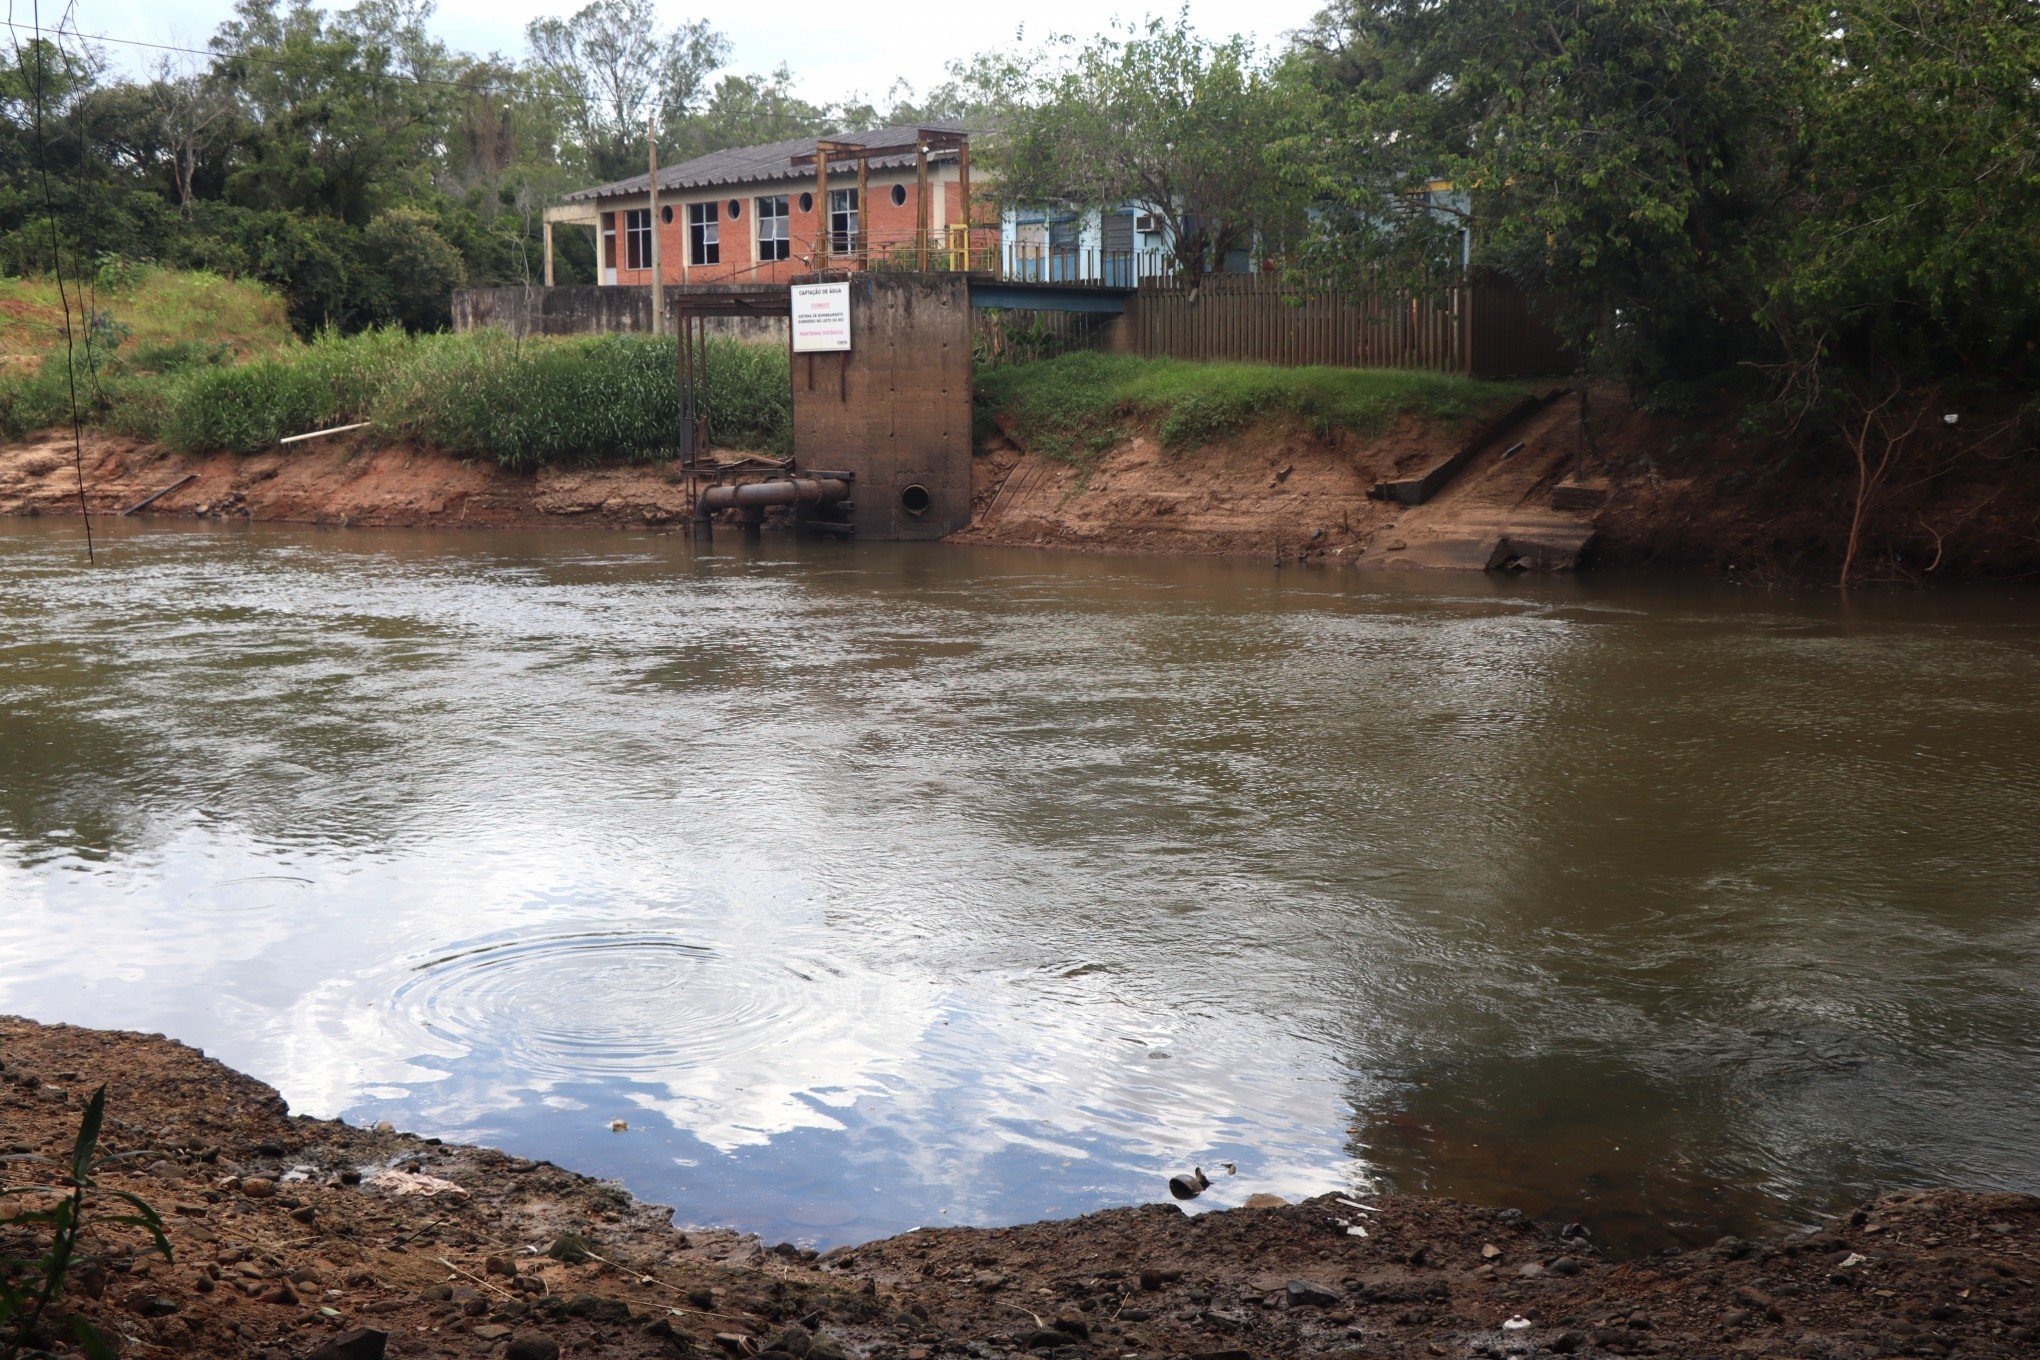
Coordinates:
[394,1182]
[1518,1323]
[1189,1186]
[1356,1230]
[619,1125]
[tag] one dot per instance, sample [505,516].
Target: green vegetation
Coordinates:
[481,394]
[357,163]
[52,1234]
[1077,405]
[142,307]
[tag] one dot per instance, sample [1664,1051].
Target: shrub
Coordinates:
[1078,404]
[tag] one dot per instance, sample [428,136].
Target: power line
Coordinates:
[42,157]
[469,87]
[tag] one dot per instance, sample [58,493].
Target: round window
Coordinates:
[807,202]
[736,209]
[899,195]
[666,215]
[915,500]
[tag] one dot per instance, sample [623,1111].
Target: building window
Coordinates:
[899,195]
[774,242]
[704,235]
[637,239]
[807,202]
[842,221]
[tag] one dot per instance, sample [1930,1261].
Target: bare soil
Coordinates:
[341,481]
[1692,493]
[298,1237]
[1697,492]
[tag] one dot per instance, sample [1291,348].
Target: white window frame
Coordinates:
[637,238]
[704,233]
[845,241]
[773,213]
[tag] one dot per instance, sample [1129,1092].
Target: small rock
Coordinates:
[795,1341]
[1304,1294]
[529,1345]
[1265,1201]
[1074,1324]
[1489,1251]
[1529,1270]
[363,1343]
[1045,1338]
[571,1248]
[155,1306]
[280,1294]
[826,1347]
[500,1265]
[1565,1343]
[258,1187]
[305,1214]
[491,1331]
[1564,1265]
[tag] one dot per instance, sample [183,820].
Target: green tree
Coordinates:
[1913,241]
[1154,116]
[1628,156]
[610,69]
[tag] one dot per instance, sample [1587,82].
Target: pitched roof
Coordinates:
[769,163]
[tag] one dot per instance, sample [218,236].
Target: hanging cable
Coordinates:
[42,157]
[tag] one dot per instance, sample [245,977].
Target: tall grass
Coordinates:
[480,394]
[1077,405]
[142,305]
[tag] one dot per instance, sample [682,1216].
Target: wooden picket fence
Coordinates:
[1487,328]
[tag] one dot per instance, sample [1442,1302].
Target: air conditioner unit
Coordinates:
[1150,223]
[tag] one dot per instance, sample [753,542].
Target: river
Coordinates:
[875,886]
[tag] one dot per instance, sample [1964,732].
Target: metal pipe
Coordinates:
[753,497]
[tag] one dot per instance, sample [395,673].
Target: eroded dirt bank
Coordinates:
[1699,492]
[1693,493]
[297,1237]
[341,481]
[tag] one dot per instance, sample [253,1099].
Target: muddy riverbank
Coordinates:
[1690,494]
[298,1237]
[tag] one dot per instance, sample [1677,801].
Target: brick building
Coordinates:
[756,214]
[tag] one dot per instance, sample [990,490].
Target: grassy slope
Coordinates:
[1078,405]
[206,364]
[145,309]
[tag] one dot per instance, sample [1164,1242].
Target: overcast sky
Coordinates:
[838,48]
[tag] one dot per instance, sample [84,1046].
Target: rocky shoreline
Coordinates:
[297,1238]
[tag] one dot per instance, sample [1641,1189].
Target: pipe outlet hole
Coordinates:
[915,500]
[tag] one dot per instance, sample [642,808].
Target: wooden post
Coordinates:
[821,207]
[922,218]
[548,253]
[963,193]
[863,210]
[652,213]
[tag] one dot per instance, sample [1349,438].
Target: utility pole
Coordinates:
[652,198]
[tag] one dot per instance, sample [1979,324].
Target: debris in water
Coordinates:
[1190,1186]
[619,1125]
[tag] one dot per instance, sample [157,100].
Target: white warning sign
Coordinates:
[821,317]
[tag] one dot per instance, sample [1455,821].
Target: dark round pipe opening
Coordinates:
[915,500]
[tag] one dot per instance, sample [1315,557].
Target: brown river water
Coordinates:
[878,885]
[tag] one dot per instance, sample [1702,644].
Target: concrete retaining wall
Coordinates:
[590,309]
